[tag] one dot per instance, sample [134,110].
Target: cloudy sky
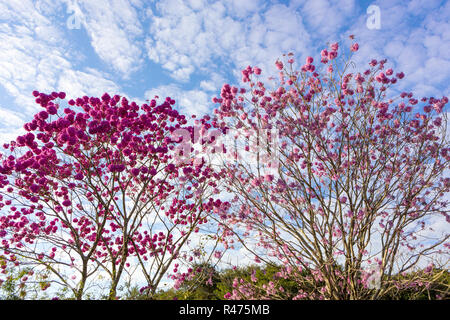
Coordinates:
[188,49]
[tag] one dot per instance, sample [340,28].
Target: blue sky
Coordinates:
[189,49]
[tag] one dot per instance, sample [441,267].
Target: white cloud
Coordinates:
[90,82]
[9,118]
[10,125]
[35,55]
[185,41]
[325,18]
[242,9]
[189,102]
[207,85]
[414,41]
[27,64]
[113,27]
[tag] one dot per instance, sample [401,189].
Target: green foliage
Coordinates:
[223,282]
[413,289]
[202,287]
[13,288]
[213,284]
[263,276]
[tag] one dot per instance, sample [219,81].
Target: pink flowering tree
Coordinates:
[97,190]
[336,177]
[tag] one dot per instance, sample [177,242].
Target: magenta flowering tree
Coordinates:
[97,189]
[341,182]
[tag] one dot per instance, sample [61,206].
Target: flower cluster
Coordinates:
[354,163]
[88,179]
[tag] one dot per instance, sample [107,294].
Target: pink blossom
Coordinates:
[257,70]
[332,55]
[279,65]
